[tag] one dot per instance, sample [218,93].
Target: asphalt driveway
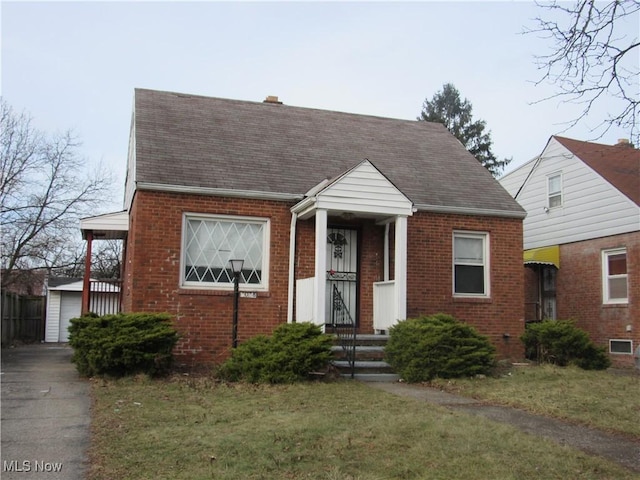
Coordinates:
[44,415]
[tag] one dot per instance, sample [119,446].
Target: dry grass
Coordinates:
[187,428]
[602,399]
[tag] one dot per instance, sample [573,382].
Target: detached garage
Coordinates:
[64,302]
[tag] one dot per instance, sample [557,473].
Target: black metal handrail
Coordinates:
[344,328]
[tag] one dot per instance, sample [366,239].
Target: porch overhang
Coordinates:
[110,226]
[362,191]
[543,256]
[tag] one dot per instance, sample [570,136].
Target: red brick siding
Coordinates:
[203,317]
[579,292]
[430,276]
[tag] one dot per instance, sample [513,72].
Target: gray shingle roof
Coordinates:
[194,141]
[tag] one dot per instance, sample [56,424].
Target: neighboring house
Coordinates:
[335,215]
[64,302]
[26,283]
[582,239]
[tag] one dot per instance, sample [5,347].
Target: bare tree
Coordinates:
[44,191]
[107,260]
[591,61]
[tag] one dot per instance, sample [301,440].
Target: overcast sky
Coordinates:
[75,65]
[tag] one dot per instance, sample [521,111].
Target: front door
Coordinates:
[548,292]
[342,275]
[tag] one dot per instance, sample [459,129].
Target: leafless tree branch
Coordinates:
[590,61]
[44,190]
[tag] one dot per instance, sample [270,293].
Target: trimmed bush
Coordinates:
[420,349]
[122,344]
[289,355]
[562,343]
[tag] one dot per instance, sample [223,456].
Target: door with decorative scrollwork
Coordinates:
[342,275]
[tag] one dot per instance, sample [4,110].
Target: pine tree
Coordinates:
[447,108]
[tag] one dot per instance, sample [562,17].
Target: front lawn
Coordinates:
[602,399]
[195,428]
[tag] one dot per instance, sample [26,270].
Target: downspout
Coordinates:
[86,284]
[292,259]
[386,252]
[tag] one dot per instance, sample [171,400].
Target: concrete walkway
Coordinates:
[617,448]
[45,414]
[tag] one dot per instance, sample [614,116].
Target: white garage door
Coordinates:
[70,307]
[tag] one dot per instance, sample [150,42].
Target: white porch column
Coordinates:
[400,268]
[321,267]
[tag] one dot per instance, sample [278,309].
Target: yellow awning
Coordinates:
[543,255]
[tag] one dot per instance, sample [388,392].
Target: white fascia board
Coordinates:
[109,221]
[218,192]
[68,287]
[484,212]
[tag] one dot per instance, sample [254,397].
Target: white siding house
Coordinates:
[589,207]
[582,239]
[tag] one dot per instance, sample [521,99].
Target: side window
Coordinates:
[470,264]
[614,276]
[554,190]
[209,242]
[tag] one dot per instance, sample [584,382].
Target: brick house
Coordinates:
[394,217]
[582,239]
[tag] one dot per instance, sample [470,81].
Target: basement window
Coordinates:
[623,347]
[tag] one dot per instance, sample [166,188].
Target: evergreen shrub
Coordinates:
[122,344]
[420,349]
[562,343]
[289,355]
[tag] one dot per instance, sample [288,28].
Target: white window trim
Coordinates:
[549,177]
[626,340]
[484,236]
[605,278]
[262,287]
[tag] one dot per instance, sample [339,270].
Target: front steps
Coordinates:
[369,365]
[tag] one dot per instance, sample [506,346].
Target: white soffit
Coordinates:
[109,226]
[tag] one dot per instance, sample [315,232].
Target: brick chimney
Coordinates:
[272,99]
[623,142]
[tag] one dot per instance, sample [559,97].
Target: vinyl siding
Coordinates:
[52,327]
[364,189]
[591,206]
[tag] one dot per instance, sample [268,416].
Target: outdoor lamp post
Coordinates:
[236,268]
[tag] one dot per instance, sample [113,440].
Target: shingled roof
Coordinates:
[618,164]
[205,143]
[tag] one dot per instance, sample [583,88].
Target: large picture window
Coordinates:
[209,242]
[614,276]
[470,264]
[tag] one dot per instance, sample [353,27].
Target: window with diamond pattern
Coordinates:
[209,244]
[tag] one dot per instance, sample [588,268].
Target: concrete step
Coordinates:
[363,366]
[374,377]
[363,352]
[369,355]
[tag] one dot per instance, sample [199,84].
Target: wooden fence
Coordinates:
[23,318]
